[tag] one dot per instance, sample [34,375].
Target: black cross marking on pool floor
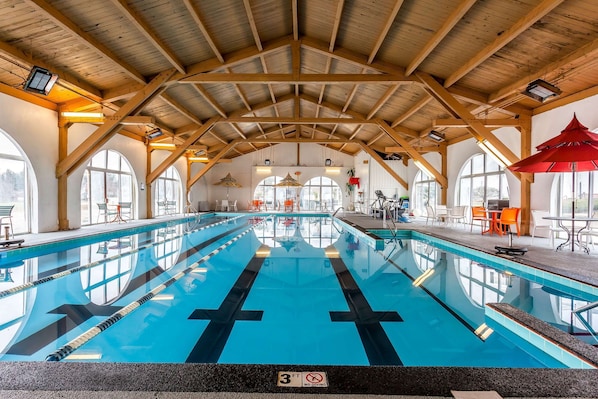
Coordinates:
[378,348]
[77,314]
[210,345]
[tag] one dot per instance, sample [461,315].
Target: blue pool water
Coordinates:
[268,290]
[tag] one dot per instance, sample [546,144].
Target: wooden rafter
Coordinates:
[105,131]
[195,14]
[150,36]
[384,165]
[528,20]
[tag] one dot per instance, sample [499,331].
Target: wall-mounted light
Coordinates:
[142,186]
[40,81]
[154,133]
[333,170]
[163,146]
[328,162]
[423,168]
[263,169]
[436,136]
[72,114]
[267,162]
[203,158]
[493,152]
[540,90]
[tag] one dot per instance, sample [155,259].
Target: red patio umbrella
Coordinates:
[575,149]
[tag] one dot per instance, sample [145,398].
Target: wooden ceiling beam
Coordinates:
[197,17]
[336,24]
[502,40]
[148,33]
[252,25]
[180,150]
[107,130]
[413,153]
[84,37]
[384,165]
[212,162]
[490,123]
[389,21]
[440,34]
[290,78]
[294,120]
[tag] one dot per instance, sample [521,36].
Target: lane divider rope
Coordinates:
[85,337]
[56,276]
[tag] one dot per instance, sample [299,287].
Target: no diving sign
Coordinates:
[302,379]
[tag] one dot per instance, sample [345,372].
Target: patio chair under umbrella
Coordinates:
[575,149]
[228,181]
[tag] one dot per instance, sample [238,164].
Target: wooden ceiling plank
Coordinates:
[148,33]
[252,25]
[389,21]
[86,38]
[294,120]
[295,11]
[413,153]
[524,23]
[107,130]
[384,165]
[65,79]
[180,150]
[212,162]
[181,109]
[588,52]
[195,14]
[440,34]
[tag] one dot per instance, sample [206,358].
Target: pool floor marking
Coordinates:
[302,379]
[377,345]
[211,343]
[75,315]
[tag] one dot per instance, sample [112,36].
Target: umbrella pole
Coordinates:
[573,167]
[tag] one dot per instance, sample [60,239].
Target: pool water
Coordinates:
[265,290]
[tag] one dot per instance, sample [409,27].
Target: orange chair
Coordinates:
[509,217]
[478,213]
[288,205]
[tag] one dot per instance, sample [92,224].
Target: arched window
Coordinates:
[168,192]
[14,184]
[108,178]
[267,191]
[424,191]
[321,193]
[481,179]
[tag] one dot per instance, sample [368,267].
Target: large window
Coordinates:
[272,196]
[169,192]
[321,193]
[107,179]
[481,179]
[424,191]
[586,193]
[14,184]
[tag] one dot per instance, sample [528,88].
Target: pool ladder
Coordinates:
[578,313]
[337,210]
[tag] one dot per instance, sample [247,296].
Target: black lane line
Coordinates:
[74,316]
[377,345]
[211,343]
[77,314]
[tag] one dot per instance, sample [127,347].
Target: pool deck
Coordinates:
[132,381]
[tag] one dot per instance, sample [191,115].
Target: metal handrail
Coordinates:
[338,209]
[577,313]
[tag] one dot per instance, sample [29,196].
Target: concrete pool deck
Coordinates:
[131,381]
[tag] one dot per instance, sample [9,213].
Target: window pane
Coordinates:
[492,187]
[99,160]
[477,164]
[113,160]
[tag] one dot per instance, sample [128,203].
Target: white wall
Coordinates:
[35,131]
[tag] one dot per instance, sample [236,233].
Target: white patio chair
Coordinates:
[547,226]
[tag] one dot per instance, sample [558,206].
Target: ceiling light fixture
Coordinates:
[436,136]
[154,133]
[40,81]
[541,90]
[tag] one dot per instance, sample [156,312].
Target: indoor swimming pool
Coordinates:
[282,289]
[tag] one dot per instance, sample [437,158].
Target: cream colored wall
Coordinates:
[34,129]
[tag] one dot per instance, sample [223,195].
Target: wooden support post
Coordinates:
[63,221]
